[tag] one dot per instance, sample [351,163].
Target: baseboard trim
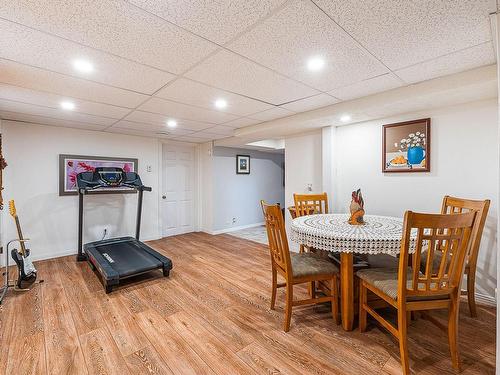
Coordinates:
[234,229]
[37,256]
[484,299]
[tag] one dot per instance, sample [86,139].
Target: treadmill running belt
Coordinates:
[127,258]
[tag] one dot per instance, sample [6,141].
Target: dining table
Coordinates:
[333,233]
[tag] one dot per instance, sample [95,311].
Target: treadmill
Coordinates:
[116,259]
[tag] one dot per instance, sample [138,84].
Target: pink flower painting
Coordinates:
[73,166]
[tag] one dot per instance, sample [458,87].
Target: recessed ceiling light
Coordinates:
[171,123]
[345,118]
[220,103]
[83,66]
[69,106]
[315,64]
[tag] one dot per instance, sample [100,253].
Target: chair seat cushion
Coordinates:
[386,280]
[436,261]
[310,264]
[383,261]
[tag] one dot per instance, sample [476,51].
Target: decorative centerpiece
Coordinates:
[357,208]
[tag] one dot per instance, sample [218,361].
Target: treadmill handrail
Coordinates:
[139,187]
[86,189]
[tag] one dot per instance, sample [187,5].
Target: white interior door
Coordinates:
[178,195]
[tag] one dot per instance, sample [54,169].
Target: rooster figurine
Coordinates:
[357,208]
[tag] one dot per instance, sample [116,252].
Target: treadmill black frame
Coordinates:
[81,192]
[82,256]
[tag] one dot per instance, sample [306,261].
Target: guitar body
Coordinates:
[26,270]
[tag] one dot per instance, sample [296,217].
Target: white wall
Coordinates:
[50,221]
[303,166]
[238,196]
[464,163]
[205,188]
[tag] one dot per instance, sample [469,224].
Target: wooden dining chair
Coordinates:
[452,205]
[296,268]
[309,204]
[408,289]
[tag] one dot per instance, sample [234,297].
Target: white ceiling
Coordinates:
[160,60]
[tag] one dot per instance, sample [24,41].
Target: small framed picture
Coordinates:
[406,146]
[242,164]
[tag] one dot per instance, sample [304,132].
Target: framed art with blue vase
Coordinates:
[406,146]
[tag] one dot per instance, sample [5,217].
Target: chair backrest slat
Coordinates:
[308,204]
[448,233]
[276,234]
[416,260]
[460,205]
[433,242]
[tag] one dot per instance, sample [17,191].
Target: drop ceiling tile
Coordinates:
[272,114]
[469,58]
[402,33]
[184,111]
[200,95]
[287,40]
[42,50]
[124,124]
[30,109]
[161,120]
[191,139]
[234,73]
[208,136]
[20,94]
[367,87]
[137,133]
[42,80]
[220,129]
[42,120]
[242,122]
[114,26]
[308,104]
[217,21]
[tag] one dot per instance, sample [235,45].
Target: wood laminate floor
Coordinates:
[210,317]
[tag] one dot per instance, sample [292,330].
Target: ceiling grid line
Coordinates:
[46,106]
[127,98]
[87,46]
[357,41]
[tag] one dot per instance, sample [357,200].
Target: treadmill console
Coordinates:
[109,178]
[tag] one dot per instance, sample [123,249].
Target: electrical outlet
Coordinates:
[234,220]
[149,168]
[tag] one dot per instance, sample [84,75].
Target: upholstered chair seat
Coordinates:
[311,264]
[386,280]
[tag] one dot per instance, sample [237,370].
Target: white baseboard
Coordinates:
[484,299]
[37,255]
[44,256]
[234,229]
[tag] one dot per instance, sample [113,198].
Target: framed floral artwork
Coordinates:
[71,165]
[406,146]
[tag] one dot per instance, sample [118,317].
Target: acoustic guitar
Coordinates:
[26,270]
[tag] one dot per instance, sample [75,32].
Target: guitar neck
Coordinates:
[20,235]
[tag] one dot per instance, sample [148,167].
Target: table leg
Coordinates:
[347,290]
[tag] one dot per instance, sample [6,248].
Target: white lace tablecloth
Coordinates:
[332,232]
